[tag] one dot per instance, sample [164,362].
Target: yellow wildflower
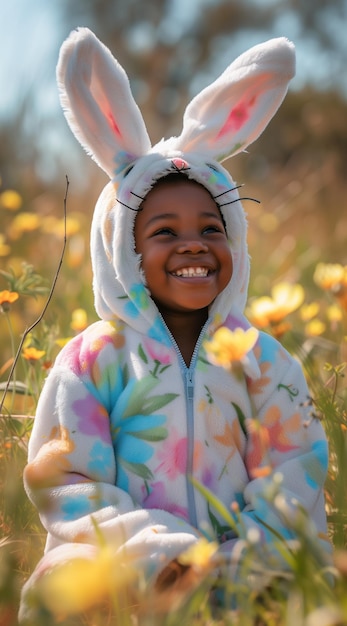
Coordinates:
[309,311]
[333,277]
[79,320]
[228,346]
[199,555]
[10,200]
[55,226]
[269,311]
[23,223]
[73,226]
[4,247]
[63,341]
[6,298]
[330,276]
[81,584]
[33,354]
[314,328]
[334,313]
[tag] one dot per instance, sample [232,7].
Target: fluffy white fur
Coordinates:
[102,113]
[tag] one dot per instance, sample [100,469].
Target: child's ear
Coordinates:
[98,103]
[233,111]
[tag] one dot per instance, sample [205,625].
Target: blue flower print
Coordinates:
[101,459]
[122,160]
[219,178]
[268,350]
[135,427]
[77,506]
[132,451]
[139,300]
[315,464]
[159,333]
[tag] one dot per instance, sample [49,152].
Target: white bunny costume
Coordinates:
[122,422]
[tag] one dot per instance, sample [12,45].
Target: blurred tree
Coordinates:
[170,49]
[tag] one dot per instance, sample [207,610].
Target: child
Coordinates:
[132,407]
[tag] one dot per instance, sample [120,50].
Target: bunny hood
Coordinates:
[219,122]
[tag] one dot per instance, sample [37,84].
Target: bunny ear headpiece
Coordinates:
[221,121]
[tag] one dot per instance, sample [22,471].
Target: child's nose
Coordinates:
[192,246]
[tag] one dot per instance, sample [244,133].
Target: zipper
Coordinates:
[189,389]
[188,380]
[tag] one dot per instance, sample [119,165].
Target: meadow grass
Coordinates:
[310,319]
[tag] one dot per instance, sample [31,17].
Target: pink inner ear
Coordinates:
[113,124]
[237,117]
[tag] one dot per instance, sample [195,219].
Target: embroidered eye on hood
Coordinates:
[219,122]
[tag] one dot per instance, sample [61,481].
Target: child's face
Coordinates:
[186,257]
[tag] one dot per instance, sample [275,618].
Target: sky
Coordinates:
[31,32]
[29,39]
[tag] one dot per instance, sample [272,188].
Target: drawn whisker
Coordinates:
[227,191]
[139,197]
[240,199]
[128,207]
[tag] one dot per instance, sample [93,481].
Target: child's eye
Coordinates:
[212,228]
[164,231]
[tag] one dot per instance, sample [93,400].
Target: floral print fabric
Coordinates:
[113,437]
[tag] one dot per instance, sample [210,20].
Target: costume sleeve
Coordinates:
[286,460]
[71,471]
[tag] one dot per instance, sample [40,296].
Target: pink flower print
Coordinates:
[173,456]
[72,354]
[156,498]
[93,418]
[158,352]
[81,356]
[237,117]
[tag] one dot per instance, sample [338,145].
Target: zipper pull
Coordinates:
[189,384]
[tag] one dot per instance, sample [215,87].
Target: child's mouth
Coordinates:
[192,272]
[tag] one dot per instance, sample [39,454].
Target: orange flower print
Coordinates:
[270,435]
[51,464]
[256,385]
[230,438]
[278,432]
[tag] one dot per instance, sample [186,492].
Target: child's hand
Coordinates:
[172,575]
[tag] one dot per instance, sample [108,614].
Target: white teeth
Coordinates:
[191,272]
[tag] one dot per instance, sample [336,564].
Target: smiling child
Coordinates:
[132,408]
